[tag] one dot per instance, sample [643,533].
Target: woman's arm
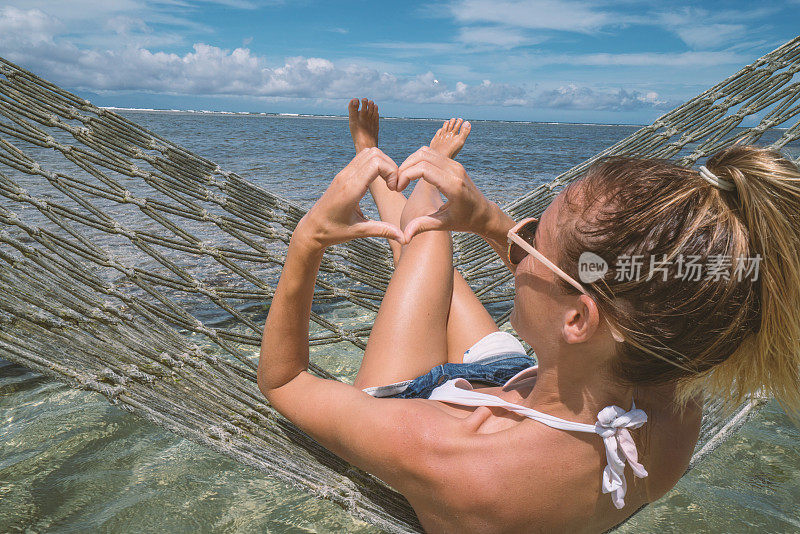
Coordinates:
[334,218]
[395,439]
[284,345]
[496,233]
[379,435]
[466,209]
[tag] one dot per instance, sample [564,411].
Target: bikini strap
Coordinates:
[613,424]
[459,391]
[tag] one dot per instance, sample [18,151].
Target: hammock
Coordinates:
[115,243]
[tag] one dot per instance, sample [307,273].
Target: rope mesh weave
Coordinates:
[122,241]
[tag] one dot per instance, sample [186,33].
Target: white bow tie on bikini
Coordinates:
[612,425]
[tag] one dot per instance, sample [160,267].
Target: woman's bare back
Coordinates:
[518,475]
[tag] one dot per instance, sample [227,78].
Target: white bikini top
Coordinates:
[612,425]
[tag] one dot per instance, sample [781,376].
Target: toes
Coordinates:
[465,129]
[457,125]
[450,124]
[352,106]
[364,106]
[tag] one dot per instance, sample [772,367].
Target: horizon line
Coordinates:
[330,116]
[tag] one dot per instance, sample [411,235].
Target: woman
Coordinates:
[454,415]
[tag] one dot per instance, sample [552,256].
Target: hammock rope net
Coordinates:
[115,243]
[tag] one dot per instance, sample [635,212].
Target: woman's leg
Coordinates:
[467,319]
[409,336]
[364,124]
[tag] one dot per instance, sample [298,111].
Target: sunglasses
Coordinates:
[521,239]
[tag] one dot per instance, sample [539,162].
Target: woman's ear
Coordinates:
[581,320]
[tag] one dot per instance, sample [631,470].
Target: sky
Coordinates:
[540,60]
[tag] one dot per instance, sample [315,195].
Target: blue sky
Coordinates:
[545,60]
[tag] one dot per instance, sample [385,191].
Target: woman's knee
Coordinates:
[424,199]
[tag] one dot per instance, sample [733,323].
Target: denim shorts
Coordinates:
[491,361]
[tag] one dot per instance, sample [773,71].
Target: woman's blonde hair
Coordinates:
[734,330]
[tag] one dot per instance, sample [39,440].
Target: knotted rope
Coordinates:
[106,262]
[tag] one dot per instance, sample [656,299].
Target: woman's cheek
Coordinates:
[521,316]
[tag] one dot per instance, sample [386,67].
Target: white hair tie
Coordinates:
[715,180]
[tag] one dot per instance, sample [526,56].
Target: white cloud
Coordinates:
[711,35]
[493,40]
[645,59]
[36,27]
[134,22]
[128,31]
[501,36]
[124,24]
[405,49]
[585,98]
[28,38]
[81,10]
[509,22]
[564,15]
[211,70]
[703,29]
[31,38]
[238,4]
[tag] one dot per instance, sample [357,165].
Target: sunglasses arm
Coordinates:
[514,238]
[547,263]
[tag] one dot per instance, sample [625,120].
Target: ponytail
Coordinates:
[766,199]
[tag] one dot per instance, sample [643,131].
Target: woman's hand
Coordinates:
[466,209]
[336,217]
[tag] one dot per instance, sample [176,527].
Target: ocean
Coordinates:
[72,462]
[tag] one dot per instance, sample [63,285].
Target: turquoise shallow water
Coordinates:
[71,462]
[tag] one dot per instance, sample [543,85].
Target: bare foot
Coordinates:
[364,129]
[363,123]
[450,137]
